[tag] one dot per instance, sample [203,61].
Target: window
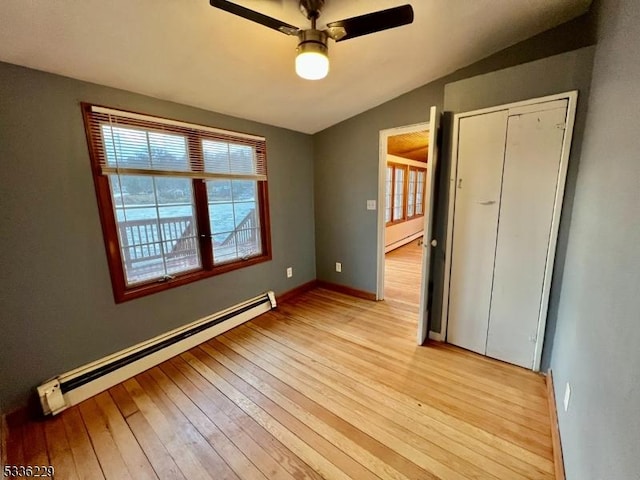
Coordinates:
[404,192]
[388,194]
[395,193]
[421,184]
[178,202]
[411,193]
[417,185]
[398,193]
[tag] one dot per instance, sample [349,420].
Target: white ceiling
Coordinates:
[188,52]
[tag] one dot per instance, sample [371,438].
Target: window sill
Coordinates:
[143,290]
[405,220]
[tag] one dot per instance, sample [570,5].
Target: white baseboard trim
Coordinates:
[404,241]
[71,388]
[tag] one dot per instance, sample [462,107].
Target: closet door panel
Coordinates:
[532,162]
[481,148]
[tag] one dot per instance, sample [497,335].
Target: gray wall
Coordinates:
[556,74]
[597,338]
[346,176]
[346,161]
[56,303]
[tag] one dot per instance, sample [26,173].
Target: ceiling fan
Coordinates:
[312,61]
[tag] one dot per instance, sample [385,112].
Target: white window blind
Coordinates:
[398,194]
[139,144]
[411,198]
[420,192]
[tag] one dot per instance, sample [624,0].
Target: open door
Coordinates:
[432,160]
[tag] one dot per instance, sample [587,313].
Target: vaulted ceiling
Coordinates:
[188,52]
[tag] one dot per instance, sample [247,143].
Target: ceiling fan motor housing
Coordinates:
[313,40]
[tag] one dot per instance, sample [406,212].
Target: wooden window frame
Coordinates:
[121,291]
[407,169]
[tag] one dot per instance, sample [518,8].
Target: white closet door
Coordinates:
[481,147]
[530,177]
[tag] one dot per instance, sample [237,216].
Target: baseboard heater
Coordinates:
[71,388]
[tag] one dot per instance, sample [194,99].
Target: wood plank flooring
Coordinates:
[325,386]
[402,269]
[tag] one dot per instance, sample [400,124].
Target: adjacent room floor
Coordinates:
[402,269]
[325,386]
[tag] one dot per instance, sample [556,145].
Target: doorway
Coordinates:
[406,160]
[405,197]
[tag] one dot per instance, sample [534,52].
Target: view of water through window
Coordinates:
[222,215]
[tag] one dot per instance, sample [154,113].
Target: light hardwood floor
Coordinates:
[402,269]
[325,386]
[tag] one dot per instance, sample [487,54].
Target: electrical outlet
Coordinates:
[371,204]
[338,267]
[289,272]
[567,396]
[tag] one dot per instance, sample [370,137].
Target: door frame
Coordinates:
[382,171]
[572,97]
[382,175]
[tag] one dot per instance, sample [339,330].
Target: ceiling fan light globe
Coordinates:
[312,59]
[312,65]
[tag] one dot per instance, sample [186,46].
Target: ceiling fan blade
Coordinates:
[255,16]
[370,23]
